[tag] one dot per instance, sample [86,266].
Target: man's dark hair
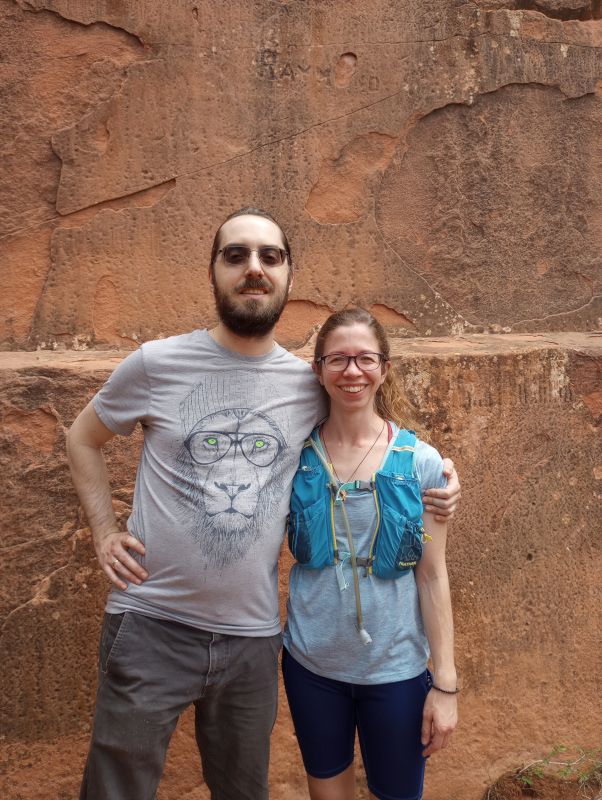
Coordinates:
[252,212]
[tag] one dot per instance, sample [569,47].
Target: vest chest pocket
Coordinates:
[398,545]
[309,536]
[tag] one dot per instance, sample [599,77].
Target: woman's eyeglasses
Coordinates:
[237,255]
[338,362]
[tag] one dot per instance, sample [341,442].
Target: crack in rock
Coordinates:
[36,7]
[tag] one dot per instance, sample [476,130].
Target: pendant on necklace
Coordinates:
[360,463]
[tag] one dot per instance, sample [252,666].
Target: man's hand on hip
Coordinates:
[85,440]
[120,567]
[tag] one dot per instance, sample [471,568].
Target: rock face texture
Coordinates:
[519,415]
[439,159]
[437,162]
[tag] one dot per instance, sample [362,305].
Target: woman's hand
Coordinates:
[439,719]
[443,502]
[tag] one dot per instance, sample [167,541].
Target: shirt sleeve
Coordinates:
[125,397]
[429,467]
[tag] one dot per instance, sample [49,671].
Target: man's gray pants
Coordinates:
[150,670]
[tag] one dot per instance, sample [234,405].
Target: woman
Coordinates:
[369,596]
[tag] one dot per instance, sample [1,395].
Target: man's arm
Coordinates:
[443,502]
[85,439]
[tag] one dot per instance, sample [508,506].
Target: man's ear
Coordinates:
[210,276]
[290,283]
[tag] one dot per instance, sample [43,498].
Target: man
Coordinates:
[193,612]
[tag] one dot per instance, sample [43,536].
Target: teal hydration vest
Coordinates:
[396,544]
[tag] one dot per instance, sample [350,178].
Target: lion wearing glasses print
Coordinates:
[228,462]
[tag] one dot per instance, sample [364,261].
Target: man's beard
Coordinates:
[252,318]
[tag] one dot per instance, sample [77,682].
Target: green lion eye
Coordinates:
[259,443]
[211,440]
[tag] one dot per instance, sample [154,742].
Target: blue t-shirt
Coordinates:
[321,629]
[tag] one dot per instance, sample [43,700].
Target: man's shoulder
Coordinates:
[173,343]
[294,360]
[300,371]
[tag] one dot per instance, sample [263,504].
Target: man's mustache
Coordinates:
[250,283]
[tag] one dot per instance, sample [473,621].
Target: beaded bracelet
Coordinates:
[445,691]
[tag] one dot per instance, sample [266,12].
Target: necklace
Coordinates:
[364,457]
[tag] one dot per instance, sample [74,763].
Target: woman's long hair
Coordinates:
[390,401]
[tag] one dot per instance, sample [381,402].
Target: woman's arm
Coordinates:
[440,713]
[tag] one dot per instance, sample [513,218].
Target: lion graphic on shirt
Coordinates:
[229,462]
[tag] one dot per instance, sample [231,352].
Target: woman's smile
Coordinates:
[353,384]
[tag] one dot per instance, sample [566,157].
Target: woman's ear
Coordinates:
[317,371]
[385,368]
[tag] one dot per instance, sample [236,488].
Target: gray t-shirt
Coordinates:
[321,629]
[222,438]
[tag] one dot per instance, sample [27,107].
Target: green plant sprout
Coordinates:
[580,764]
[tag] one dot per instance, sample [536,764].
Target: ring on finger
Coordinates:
[115,563]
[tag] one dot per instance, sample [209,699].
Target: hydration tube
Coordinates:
[340,493]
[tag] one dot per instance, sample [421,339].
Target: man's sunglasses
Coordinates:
[237,255]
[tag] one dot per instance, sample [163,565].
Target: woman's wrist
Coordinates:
[445,681]
[445,691]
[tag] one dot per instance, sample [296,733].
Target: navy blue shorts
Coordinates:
[388,718]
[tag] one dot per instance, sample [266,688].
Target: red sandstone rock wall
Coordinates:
[438,162]
[519,414]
